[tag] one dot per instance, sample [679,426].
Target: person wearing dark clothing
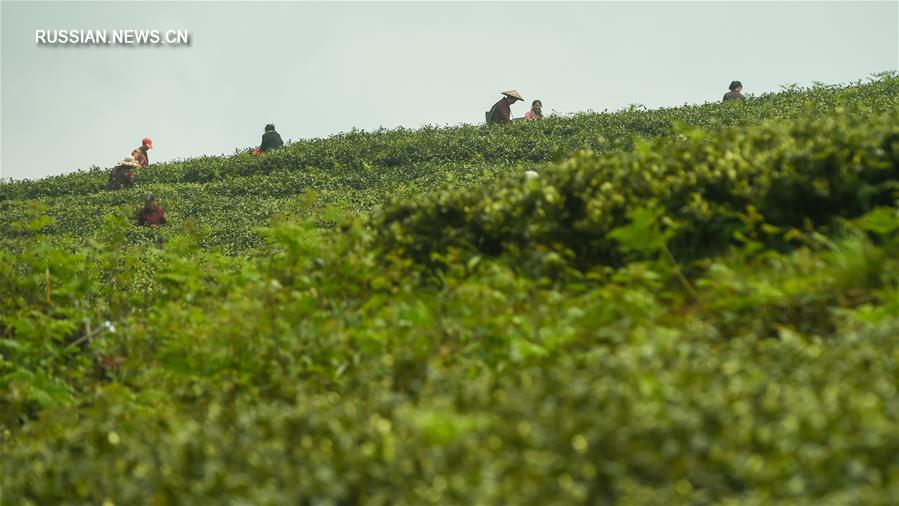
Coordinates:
[501,112]
[734,94]
[140,154]
[150,214]
[270,139]
[122,175]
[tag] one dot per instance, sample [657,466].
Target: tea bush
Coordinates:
[317,377]
[400,151]
[706,186]
[358,172]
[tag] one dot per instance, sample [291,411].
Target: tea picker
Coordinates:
[140,153]
[122,175]
[736,87]
[150,214]
[501,112]
[271,140]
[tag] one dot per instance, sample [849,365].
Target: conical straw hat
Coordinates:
[513,94]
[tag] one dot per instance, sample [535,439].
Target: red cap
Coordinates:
[148,142]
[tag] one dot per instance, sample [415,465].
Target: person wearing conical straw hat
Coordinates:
[501,112]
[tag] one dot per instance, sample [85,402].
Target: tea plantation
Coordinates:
[695,305]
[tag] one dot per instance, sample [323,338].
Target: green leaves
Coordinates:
[485,338]
[644,234]
[882,221]
[784,175]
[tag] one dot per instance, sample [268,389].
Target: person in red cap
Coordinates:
[140,154]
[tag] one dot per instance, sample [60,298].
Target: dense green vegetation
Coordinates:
[358,172]
[691,305]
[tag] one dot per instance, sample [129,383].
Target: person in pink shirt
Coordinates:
[536,111]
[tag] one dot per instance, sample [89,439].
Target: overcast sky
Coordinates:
[315,69]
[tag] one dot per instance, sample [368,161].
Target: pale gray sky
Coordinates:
[315,69]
